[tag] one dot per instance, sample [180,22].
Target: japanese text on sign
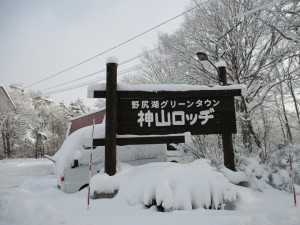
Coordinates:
[156,104]
[160,117]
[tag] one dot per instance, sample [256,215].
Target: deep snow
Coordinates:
[173,186]
[28,195]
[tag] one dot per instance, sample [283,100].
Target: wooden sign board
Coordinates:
[157,113]
[174,112]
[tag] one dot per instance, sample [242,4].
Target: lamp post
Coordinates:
[228,151]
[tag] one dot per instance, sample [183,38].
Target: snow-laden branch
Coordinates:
[268,5]
[267,88]
[288,37]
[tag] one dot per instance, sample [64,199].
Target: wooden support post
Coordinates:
[111,118]
[228,151]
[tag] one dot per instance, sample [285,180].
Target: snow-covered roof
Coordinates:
[87,114]
[6,104]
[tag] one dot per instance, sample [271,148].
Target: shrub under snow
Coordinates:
[169,185]
[280,171]
[175,186]
[275,172]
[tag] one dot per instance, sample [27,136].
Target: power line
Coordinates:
[121,72]
[72,87]
[139,66]
[116,46]
[100,71]
[91,74]
[82,84]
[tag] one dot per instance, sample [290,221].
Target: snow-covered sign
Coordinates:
[170,112]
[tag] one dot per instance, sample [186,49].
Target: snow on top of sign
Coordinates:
[112,59]
[220,63]
[163,87]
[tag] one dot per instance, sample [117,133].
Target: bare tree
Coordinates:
[252,39]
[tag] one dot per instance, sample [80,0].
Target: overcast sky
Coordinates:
[40,38]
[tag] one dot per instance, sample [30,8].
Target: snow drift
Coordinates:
[169,185]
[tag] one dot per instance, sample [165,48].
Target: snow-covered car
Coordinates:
[72,159]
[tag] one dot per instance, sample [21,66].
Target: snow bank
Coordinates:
[257,176]
[103,183]
[249,173]
[235,177]
[169,185]
[38,201]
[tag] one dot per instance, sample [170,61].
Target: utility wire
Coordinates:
[153,28]
[101,71]
[72,87]
[91,74]
[82,84]
[121,72]
[116,46]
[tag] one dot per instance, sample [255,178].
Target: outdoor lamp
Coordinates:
[202,56]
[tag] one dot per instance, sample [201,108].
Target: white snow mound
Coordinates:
[169,185]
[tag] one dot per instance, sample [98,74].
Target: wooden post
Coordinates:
[228,151]
[111,118]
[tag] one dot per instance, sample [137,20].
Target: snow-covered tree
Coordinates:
[17,124]
[286,20]
[37,126]
[243,33]
[50,132]
[78,107]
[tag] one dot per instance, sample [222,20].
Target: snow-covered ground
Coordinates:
[28,195]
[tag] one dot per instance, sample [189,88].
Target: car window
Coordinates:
[88,147]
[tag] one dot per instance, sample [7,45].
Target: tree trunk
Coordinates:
[36,143]
[4,143]
[247,129]
[279,116]
[8,147]
[286,121]
[6,136]
[246,137]
[290,86]
[264,135]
